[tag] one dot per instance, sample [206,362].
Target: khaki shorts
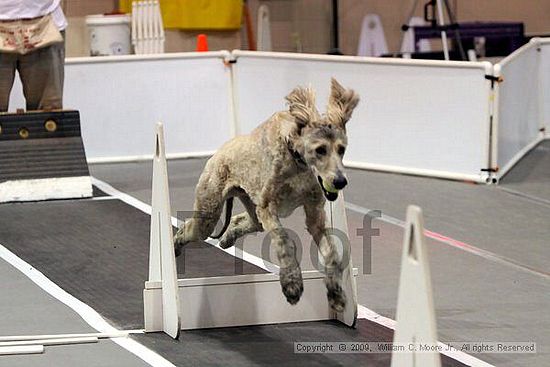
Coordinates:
[42,75]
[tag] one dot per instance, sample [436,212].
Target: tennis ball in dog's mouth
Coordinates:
[329,188]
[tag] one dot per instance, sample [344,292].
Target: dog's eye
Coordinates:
[341,150]
[321,150]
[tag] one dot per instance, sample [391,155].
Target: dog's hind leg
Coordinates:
[198,228]
[315,222]
[241,224]
[207,209]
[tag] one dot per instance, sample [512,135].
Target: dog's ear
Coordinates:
[301,105]
[341,103]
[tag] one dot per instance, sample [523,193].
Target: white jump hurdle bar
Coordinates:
[172,304]
[34,344]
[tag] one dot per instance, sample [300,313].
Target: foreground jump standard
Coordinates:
[172,304]
[415,308]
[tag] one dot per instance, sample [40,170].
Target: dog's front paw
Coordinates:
[291,283]
[227,241]
[177,249]
[336,296]
[178,245]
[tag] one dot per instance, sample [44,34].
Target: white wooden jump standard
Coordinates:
[415,308]
[162,261]
[253,299]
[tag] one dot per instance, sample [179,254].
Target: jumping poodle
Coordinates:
[293,159]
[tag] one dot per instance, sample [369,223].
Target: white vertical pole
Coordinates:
[156,32]
[337,220]
[443,33]
[233,97]
[153,38]
[134,27]
[162,36]
[264,29]
[540,86]
[143,21]
[152,27]
[162,264]
[161,28]
[415,309]
[139,26]
[495,103]
[148,27]
[145,39]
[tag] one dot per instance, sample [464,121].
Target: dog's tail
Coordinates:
[228,210]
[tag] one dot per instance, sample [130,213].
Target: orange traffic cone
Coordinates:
[202,43]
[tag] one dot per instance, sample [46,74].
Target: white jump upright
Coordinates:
[415,309]
[162,261]
[251,299]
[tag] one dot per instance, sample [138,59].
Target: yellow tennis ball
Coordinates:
[329,188]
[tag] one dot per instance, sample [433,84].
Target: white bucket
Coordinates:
[109,34]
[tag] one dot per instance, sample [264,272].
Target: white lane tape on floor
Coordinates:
[467,359]
[531,198]
[488,255]
[87,313]
[362,311]
[102,198]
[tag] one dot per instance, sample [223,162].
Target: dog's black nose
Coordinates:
[339,182]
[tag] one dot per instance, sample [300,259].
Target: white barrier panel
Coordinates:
[418,117]
[119,96]
[545,83]
[519,105]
